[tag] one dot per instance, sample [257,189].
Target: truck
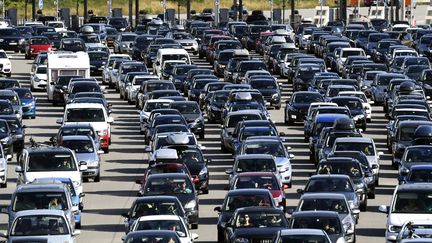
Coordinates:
[65,63]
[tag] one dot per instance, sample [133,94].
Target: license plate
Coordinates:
[293,116]
[13,44]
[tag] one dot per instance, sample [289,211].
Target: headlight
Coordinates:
[278,199]
[203,171]
[215,108]
[124,45]
[103,132]
[3,165]
[93,162]
[7,64]
[360,186]
[190,204]
[21,41]
[177,81]
[275,96]
[241,240]
[76,183]
[358,117]
[394,228]
[5,140]
[347,226]
[283,168]
[368,180]
[36,79]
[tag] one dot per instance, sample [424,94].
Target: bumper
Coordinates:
[41,84]
[192,216]
[91,172]
[3,177]
[104,140]
[286,177]
[29,111]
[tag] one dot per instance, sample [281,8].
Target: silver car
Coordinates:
[27,225]
[85,150]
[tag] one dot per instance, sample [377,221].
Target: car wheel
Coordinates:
[223,148]
[220,237]
[55,103]
[78,225]
[106,150]
[194,226]
[31,87]
[377,181]
[202,135]
[121,96]
[363,206]
[4,185]
[85,179]
[8,74]
[97,178]
[364,127]
[371,195]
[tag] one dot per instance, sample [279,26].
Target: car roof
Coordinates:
[415,187]
[302,232]
[315,214]
[159,217]
[254,156]
[354,140]
[326,195]
[248,191]
[54,187]
[39,212]
[85,105]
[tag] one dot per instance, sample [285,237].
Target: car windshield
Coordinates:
[324,204]
[166,224]
[5,108]
[352,53]
[201,84]
[128,37]
[14,100]
[418,154]
[189,157]
[257,132]
[24,93]
[175,57]
[303,238]
[79,146]
[330,225]
[149,106]
[352,170]
[41,70]
[85,88]
[351,104]
[260,219]
[241,201]
[263,182]
[14,124]
[169,186]
[182,70]
[255,164]
[155,208]
[39,225]
[265,147]
[85,115]
[415,201]
[127,68]
[146,238]
[90,38]
[98,56]
[39,41]
[246,106]
[67,131]
[263,84]
[234,119]
[42,162]
[158,86]
[307,98]
[329,185]
[246,66]
[39,200]
[189,108]
[366,148]
[420,176]
[7,84]
[9,32]
[407,133]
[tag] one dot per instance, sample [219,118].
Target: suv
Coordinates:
[95,114]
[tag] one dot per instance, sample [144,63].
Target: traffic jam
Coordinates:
[228,82]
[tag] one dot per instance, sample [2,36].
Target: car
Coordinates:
[97,60]
[297,107]
[43,195]
[288,235]
[324,220]
[165,222]
[254,223]
[161,235]
[240,198]
[417,173]
[178,185]
[192,114]
[38,80]
[92,113]
[271,145]
[250,131]
[6,66]
[85,150]
[27,224]
[357,110]
[17,130]
[408,203]
[7,140]
[28,102]
[153,205]
[13,40]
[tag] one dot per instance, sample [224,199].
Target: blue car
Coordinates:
[28,102]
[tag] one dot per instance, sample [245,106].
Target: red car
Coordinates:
[262,180]
[35,45]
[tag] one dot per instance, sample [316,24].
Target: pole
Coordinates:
[25,9]
[130,12]
[57,8]
[188,9]
[358,10]
[376,9]
[321,12]
[33,9]
[216,10]
[283,11]
[240,10]
[164,10]
[271,12]
[136,13]
[178,12]
[110,8]
[292,13]
[85,11]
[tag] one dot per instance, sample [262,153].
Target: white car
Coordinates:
[148,107]
[132,90]
[6,66]
[366,103]
[57,25]
[346,52]
[108,68]
[47,225]
[165,222]
[3,168]
[38,80]
[92,113]
[410,202]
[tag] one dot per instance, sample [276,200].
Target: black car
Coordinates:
[60,87]
[97,60]
[72,44]
[216,104]
[240,198]
[81,86]
[161,120]
[6,139]
[193,115]
[255,224]
[17,130]
[11,40]
[356,108]
[179,73]
[178,185]
[140,45]
[119,23]
[297,107]
[153,205]
[269,89]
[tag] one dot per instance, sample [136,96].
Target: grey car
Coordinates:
[122,44]
[85,150]
[332,202]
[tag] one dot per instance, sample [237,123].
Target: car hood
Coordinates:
[400,218]
[195,169]
[259,232]
[191,117]
[301,106]
[41,76]
[266,92]
[86,157]
[281,161]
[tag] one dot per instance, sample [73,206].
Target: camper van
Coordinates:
[65,63]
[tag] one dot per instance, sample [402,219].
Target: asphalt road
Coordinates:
[106,200]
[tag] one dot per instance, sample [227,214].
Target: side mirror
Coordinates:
[300,191]
[383,209]
[217,209]
[17,112]
[83,166]
[282,134]
[355,211]
[4,210]
[24,126]
[3,234]
[110,120]
[82,195]
[401,180]
[194,236]
[76,232]
[380,153]
[229,171]
[59,121]
[125,215]
[291,156]
[19,169]
[147,149]
[158,63]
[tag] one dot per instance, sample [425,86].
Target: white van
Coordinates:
[57,25]
[90,113]
[65,64]
[169,54]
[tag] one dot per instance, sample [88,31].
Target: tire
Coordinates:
[106,150]
[78,225]
[363,206]
[31,87]
[85,179]
[202,135]
[223,148]
[8,75]
[4,185]
[220,237]
[205,191]
[371,195]
[194,226]
[97,178]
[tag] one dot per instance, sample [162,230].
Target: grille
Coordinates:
[261,240]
